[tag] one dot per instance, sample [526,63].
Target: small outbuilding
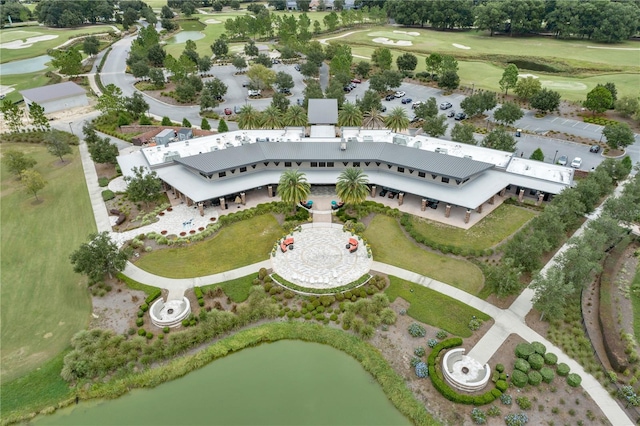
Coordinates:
[165,136]
[56,97]
[185,134]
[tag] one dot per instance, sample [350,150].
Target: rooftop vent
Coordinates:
[343,146]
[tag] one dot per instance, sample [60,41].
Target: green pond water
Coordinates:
[282,383]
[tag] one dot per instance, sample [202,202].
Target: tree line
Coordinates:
[73,13]
[599,20]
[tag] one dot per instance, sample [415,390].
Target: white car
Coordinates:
[254,92]
[416,104]
[445,105]
[576,163]
[400,94]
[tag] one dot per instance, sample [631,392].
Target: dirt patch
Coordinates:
[117,309]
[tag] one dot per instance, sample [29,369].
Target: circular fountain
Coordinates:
[169,313]
[464,373]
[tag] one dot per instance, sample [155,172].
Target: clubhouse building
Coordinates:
[213,171]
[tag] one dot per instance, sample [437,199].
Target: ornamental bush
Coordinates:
[506,399]
[547,374]
[519,379]
[502,385]
[523,402]
[523,350]
[139,322]
[562,369]
[522,365]
[478,416]
[422,370]
[534,378]
[494,411]
[432,343]
[142,332]
[419,351]
[499,368]
[536,361]
[550,358]
[416,330]
[441,334]
[415,361]
[574,380]
[539,348]
[516,419]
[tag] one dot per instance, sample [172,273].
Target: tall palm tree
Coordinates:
[293,187]
[397,120]
[272,118]
[349,116]
[249,118]
[295,116]
[352,187]
[373,119]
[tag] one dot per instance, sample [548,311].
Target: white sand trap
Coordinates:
[461,46]
[5,90]
[384,40]
[212,21]
[564,85]
[613,48]
[23,44]
[410,33]
[527,75]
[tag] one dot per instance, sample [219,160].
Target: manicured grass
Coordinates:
[237,290]
[433,308]
[24,81]
[41,388]
[41,47]
[635,300]
[495,227]
[239,244]
[43,302]
[390,245]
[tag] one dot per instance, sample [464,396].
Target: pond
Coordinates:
[25,66]
[183,36]
[282,383]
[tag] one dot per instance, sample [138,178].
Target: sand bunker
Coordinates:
[212,21]
[384,40]
[5,90]
[527,75]
[461,46]
[411,33]
[613,48]
[564,85]
[23,44]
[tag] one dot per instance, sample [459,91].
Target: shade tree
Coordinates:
[545,101]
[32,181]
[508,113]
[99,257]
[57,145]
[143,185]
[463,133]
[16,161]
[619,135]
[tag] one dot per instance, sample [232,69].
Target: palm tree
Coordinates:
[272,118]
[373,119]
[397,120]
[249,118]
[293,187]
[349,116]
[296,116]
[352,187]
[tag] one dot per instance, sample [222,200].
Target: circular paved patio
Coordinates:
[320,258]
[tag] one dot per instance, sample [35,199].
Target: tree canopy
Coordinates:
[98,257]
[352,186]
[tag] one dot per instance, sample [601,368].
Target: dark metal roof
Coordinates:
[412,158]
[323,111]
[53,92]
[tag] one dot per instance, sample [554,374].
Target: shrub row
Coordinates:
[272,207]
[600,121]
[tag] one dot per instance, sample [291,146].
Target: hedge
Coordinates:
[536,361]
[439,383]
[152,292]
[563,369]
[539,348]
[574,380]
[550,358]
[107,195]
[519,379]
[198,292]
[523,350]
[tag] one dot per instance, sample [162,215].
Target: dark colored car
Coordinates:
[595,149]
[460,116]
[383,108]
[285,91]
[407,100]
[389,97]
[383,192]
[431,203]
[227,111]
[297,67]
[347,88]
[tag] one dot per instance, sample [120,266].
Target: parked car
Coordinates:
[237,109]
[446,105]
[416,104]
[297,67]
[285,91]
[254,92]
[347,88]
[451,113]
[245,84]
[431,203]
[227,111]
[275,61]
[407,100]
[417,119]
[299,101]
[383,108]
[563,160]
[389,97]
[383,192]
[356,80]
[594,149]
[460,116]
[400,94]
[576,163]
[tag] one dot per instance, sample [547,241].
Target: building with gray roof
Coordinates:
[56,97]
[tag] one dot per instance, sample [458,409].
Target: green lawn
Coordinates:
[43,302]
[237,290]
[40,47]
[390,245]
[495,227]
[236,245]
[433,308]
[635,300]
[24,81]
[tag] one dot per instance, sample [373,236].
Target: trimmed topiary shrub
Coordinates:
[519,379]
[142,332]
[522,365]
[539,348]
[416,330]
[523,350]
[547,374]
[107,195]
[562,369]
[534,378]
[550,358]
[499,368]
[139,322]
[536,361]
[502,385]
[574,380]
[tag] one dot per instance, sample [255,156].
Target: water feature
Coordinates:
[169,313]
[283,383]
[25,66]
[183,36]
